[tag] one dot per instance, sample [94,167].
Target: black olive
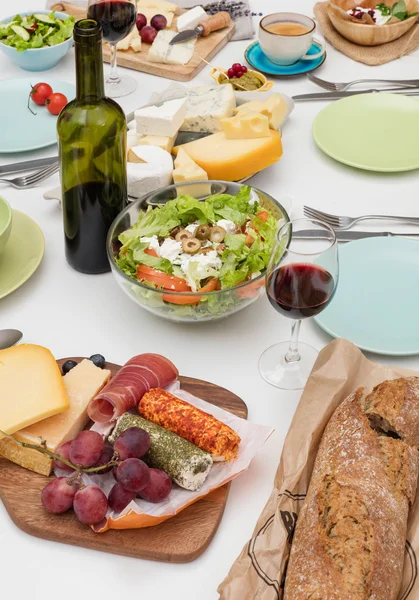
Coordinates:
[98,360]
[68,365]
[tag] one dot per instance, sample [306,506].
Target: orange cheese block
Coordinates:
[31,387]
[82,383]
[232,160]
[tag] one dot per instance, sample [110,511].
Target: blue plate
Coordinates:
[22,131]
[376,301]
[258,60]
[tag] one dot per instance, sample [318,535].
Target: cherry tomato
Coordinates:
[40,92]
[55,103]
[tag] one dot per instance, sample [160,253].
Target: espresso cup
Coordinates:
[288,48]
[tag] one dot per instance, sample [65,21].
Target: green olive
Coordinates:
[217,234]
[206,250]
[191,245]
[202,232]
[220,248]
[175,231]
[183,234]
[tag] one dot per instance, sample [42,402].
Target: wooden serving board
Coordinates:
[180,539]
[205,47]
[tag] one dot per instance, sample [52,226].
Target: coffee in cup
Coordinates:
[285,38]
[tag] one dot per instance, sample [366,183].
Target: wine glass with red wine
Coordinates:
[117,18]
[301,280]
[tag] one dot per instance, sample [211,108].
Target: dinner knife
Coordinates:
[349,236]
[27,165]
[408,91]
[214,23]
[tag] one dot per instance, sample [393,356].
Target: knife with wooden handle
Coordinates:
[214,23]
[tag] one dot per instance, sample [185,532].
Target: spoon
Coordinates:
[9,337]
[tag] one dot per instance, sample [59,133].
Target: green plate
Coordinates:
[22,254]
[376,132]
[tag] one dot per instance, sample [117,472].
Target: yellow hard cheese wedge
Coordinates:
[184,160]
[273,107]
[232,160]
[31,387]
[246,125]
[82,383]
[163,142]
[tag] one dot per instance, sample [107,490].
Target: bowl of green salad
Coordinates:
[36,41]
[196,251]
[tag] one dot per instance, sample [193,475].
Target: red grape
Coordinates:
[244,69]
[231,73]
[132,443]
[158,488]
[133,474]
[104,459]
[86,448]
[90,505]
[148,34]
[158,22]
[58,495]
[63,450]
[236,67]
[119,497]
[141,21]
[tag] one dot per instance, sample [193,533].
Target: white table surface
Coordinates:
[74,314]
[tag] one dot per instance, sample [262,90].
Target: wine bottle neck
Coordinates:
[89,70]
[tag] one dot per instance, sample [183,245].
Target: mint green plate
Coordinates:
[376,132]
[22,254]
[376,301]
[20,130]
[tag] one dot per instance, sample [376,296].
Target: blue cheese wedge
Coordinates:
[191,18]
[162,52]
[206,106]
[164,120]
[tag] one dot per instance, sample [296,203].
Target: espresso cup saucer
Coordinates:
[259,61]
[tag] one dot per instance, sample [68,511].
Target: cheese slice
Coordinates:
[162,52]
[246,125]
[127,41]
[273,107]
[132,139]
[158,5]
[163,142]
[206,106]
[81,384]
[164,120]
[191,18]
[152,171]
[184,160]
[31,387]
[187,170]
[232,160]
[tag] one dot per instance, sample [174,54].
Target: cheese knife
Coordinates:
[214,23]
[27,165]
[408,91]
[349,236]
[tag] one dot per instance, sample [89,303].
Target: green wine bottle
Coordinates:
[92,134]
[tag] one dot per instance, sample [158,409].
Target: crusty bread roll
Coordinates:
[350,536]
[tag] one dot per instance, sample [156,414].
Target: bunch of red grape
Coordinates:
[88,451]
[149,32]
[236,71]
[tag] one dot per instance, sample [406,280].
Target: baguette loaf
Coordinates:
[350,536]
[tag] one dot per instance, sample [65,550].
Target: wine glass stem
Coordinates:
[293,355]
[113,76]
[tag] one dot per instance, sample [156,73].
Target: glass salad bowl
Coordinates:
[189,306]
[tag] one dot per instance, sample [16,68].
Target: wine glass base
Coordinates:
[115,88]
[287,375]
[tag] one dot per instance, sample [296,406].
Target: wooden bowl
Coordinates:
[368,35]
[266,85]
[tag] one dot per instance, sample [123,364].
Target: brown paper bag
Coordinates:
[259,572]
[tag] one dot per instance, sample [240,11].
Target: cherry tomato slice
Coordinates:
[251,290]
[55,103]
[167,282]
[151,252]
[209,287]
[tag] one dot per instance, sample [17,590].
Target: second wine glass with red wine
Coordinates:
[117,18]
[301,280]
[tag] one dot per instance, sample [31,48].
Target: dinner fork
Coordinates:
[341,87]
[33,178]
[346,222]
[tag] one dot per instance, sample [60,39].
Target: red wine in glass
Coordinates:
[117,18]
[299,291]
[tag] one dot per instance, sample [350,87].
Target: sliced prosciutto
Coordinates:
[125,390]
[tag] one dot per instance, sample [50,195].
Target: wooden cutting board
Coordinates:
[180,539]
[205,48]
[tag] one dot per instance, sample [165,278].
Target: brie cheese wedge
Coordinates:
[152,171]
